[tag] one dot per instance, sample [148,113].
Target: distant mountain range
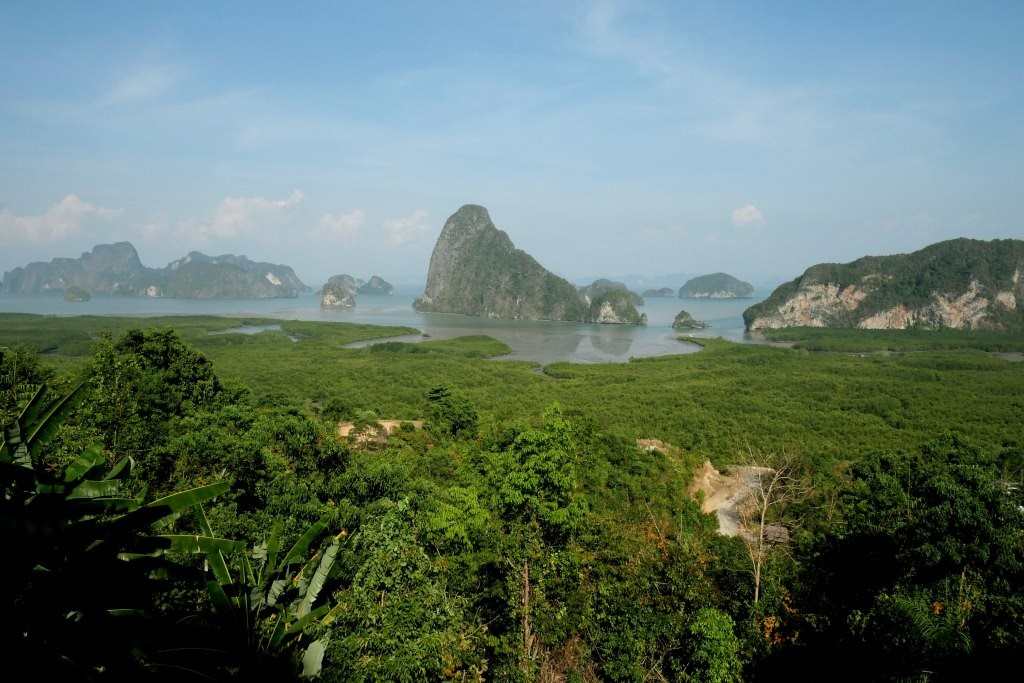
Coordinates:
[116,269]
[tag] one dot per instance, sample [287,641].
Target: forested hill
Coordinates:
[715,286]
[960,284]
[116,269]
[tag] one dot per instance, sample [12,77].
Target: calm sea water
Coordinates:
[542,342]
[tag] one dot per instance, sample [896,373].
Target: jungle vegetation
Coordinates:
[182,509]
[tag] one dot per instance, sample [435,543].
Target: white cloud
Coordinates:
[601,26]
[143,84]
[237,216]
[398,231]
[747,215]
[63,219]
[340,226]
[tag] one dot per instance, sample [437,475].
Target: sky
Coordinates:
[605,137]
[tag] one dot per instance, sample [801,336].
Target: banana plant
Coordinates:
[85,565]
[34,426]
[272,599]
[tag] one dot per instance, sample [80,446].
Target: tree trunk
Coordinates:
[757,581]
[527,636]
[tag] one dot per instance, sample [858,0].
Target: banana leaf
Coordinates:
[208,545]
[91,488]
[276,588]
[47,426]
[90,459]
[34,408]
[215,558]
[313,659]
[218,597]
[298,551]
[300,624]
[332,615]
[273,548]
[121,467]
[182,500]
[13,449]
[316,583]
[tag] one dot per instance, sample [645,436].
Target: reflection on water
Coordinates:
[248,329]
[537,341]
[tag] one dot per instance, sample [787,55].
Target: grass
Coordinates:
[853,340]
[715,403]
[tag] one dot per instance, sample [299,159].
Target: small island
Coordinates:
[615,306]
[76,294]
[601,286]
[685,321]
[339,292]
[376,285]
[663,293]
[716,286]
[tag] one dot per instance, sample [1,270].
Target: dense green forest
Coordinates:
[182,509]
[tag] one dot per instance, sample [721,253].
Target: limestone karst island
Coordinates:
[527,342]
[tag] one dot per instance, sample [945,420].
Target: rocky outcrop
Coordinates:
[116,269]
[599,287]
[476,270]
[664,292]
[339,292]
[376,285]
[959,284]
[715,286]
[685,321]
[615,307]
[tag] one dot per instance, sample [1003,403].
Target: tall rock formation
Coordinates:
[959,284]
[476,270]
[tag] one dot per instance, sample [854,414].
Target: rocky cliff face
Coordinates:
[107,269]
[476,270]
[715,286]
[198,276]
[376,285]
[116,269]
[959,284]
[339,292]
[615,307]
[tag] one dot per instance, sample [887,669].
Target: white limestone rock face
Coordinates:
[960,284]
[339,292]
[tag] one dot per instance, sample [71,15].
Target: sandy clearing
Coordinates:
[388,426]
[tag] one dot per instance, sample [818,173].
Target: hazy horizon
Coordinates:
[606,138]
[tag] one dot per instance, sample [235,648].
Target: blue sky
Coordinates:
[606,137]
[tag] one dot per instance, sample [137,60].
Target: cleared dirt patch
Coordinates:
[723,494]
[378,432]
